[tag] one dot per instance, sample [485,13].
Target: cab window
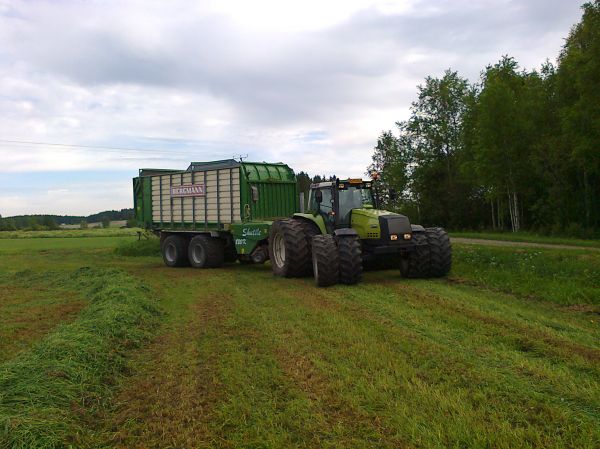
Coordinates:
[326,204]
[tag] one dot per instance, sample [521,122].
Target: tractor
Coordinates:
[343,229]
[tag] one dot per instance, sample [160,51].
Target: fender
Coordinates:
[316,219]
[417,228]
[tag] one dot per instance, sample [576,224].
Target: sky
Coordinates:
[155,84]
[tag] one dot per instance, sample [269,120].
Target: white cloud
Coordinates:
[310,83]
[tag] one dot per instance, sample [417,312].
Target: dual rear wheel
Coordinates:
[432,256]
[297,249]
[201,251]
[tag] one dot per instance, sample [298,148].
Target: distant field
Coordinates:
[70,233]
[527,237]
[504,353]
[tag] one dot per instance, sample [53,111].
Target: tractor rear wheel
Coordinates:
[325,260]
[288,249]
[416,263]
[174,251]
[206,252]
[440,252]
[350,259]
[310,230]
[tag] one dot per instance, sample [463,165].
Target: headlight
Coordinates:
[393,237]
[407,236]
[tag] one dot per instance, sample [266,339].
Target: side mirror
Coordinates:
[393,195]
[254,193]
[318,196]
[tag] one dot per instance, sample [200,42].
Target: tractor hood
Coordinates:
[376,224]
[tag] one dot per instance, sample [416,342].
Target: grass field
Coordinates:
[504,353]
[527,237]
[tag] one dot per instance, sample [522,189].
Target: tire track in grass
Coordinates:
[322,417]
[528,336]
[169,400]
[523,368]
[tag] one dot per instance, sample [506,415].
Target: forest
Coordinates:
[516,150]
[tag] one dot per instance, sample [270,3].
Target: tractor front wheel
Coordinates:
[350,260]
[325,260]
[440,252]
[416,263]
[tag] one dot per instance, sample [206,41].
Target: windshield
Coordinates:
[354,197]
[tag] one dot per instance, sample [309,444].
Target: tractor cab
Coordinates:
[335,200]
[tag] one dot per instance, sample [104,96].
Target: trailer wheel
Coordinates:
[288,249]
[174,251]
[206,252]
[440,252]
[416,263]
[350,259]
[325,260]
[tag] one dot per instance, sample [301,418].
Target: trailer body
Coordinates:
[236,200]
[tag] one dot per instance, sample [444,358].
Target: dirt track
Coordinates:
[521,244]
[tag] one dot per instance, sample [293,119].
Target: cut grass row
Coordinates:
[49,394]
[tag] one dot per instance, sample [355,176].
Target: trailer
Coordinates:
[214,212]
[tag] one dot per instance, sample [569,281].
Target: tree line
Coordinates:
[50,222]
[516,150]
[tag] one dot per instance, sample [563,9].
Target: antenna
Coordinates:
[241,157]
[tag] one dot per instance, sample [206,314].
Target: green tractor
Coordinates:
[342,230]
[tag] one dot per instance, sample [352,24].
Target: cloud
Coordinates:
[310,83]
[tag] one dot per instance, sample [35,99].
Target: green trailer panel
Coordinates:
[214,195]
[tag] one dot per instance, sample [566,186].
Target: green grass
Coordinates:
[30,307]
[137,248]
[70,233]
[552,275]
[505,354]
[46,394]
[527,237]
[49,244]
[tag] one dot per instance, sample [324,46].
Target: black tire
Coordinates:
[416,263]
[174,250]
[325,260]
[440,252]
[288,249]
[310,230]
[350,260]
[231,254]
[206,252]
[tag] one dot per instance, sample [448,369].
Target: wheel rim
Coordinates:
[198,254]
[171,252]
[279,250]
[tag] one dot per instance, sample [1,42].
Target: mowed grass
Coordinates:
[242,359]
[30,307]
